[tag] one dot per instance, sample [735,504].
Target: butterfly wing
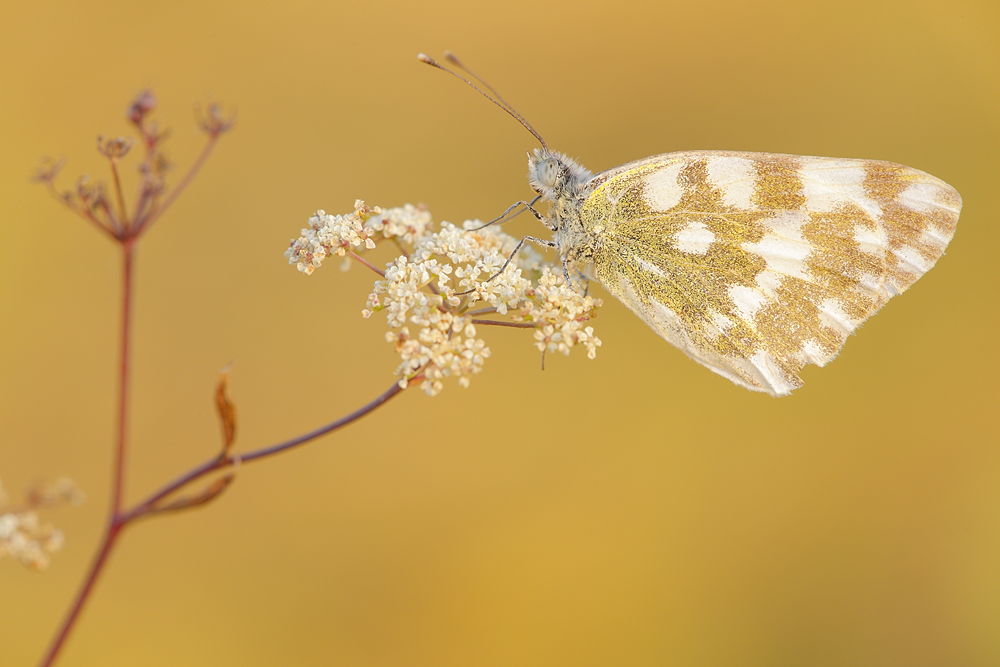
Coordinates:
[755,264]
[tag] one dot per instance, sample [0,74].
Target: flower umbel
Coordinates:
[445,287]
[21,534]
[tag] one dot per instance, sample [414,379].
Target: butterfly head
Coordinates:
[555,176]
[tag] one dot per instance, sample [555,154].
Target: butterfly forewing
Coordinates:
[755,264]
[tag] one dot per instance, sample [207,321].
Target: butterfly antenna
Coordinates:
[453,59]
[424,58]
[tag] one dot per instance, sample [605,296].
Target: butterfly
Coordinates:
[752,264]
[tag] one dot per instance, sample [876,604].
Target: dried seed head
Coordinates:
[113,149]
[90,194]
[47,171]
[143,104]
[214,120]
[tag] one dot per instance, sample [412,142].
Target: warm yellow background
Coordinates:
[632,510]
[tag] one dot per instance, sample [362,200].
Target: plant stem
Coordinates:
[144,223]
[82,595]
[502,323]
[118,490]
[122,212]
[365,262]
[115,522]
[119,518]
[83,213]
[218,463]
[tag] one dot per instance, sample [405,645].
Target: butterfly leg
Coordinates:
[566,273]
[569,281]
[541,242]
[538,216]
[528,206]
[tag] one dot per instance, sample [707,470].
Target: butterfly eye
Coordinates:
[547,172]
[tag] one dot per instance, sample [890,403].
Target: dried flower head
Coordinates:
[446,286]
[48,169]
[113,149]
[144,103]
[214,121]
[63,491]
[90,194]
[106,207]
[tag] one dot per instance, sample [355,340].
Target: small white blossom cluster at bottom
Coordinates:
[447,286]
[23,536]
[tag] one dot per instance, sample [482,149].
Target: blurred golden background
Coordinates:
[632,510]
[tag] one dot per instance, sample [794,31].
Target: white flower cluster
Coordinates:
[24,538]
[336,235]
[560,311]
[429,293]
[418,291]
[406,223]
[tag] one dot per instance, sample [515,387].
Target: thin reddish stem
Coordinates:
[115,520]
[127,235]
[403,251]
[122,518]
[115,523]
[481,311]
[81,597]
[118,490]
[122,212]
[365,262]
[218,463]
[143,224]
[86,215]
[500,323]
[109,213]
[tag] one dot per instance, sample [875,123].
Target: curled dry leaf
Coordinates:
[210,493]
[227,411]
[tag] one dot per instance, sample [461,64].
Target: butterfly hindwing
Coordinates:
[755,264]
